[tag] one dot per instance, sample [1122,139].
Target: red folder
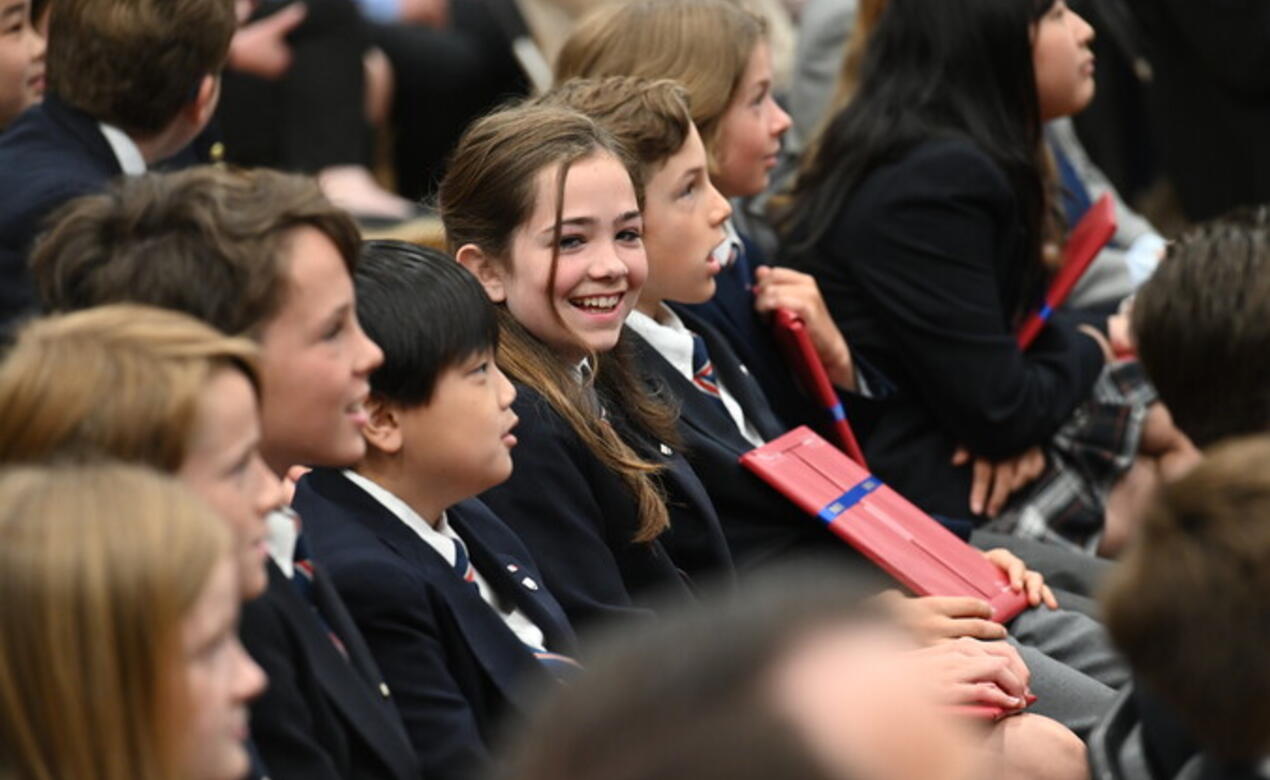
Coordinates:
[905,541]
[791,334]
[1084,243]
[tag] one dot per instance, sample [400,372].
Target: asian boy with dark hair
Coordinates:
[130,83]
[261,254]
[447,596]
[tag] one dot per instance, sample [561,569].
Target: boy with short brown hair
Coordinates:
[130,84]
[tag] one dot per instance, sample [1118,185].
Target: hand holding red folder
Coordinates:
[1084,243]
[800,353]
[906,542]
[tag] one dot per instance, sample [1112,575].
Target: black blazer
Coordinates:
[918,272]
[454,666]
[49,155]
[321,716]
[761,525]
[577,518]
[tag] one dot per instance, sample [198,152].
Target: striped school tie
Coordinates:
[703,377]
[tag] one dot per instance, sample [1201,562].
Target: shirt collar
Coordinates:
[126,152]
[439,537]
[281,531]
[666,334]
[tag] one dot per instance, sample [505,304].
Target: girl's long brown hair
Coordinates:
[487,194]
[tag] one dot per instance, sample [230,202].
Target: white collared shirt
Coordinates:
[280,538]
[673,341]
[441,538]
[126,152]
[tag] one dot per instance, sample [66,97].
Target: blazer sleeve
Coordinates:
[551,502]
[282,727]
[400,622]
[923,252]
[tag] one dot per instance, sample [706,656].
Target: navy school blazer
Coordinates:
[761,525]
[578,520]
[49,155]
[322,716]
[457,672]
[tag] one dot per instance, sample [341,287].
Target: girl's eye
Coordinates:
[482,369]
[334,331]
[689,190]
[630,236]
[570,242]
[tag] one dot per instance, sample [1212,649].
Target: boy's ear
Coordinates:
[383,426]
[486,271]
[205,100]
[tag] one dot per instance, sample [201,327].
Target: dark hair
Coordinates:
[691,696]
[136,63]
[425,311]
[1188,603]
[935,68]
[209,242]
[1202,324]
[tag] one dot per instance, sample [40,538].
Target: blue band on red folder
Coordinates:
[850,498]
[837,412]
[1045,312]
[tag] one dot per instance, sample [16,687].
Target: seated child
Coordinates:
[448,598]
[263,254]
[21,61]
[539,203]
[1189,606]
[724,413]
[130,84]
[118,654]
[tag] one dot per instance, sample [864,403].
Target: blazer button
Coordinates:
[528,582]
[383,689]
[744,369]
[666,450]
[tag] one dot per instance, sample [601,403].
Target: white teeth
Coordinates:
[597,302]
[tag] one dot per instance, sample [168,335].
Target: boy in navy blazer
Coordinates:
[446,595]
[129,84]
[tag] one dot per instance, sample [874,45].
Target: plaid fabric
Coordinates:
[1086,458]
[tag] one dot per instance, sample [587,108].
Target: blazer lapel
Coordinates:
[489,638]
[353,685]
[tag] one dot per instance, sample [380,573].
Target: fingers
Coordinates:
[287,19]
[1012,657]
[973,628]
[955,606]
[961,456]
[1048,598]
[980,485]
[1003,484]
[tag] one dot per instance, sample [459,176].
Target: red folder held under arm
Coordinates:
[1084,243]
[905,541]
[800,353]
